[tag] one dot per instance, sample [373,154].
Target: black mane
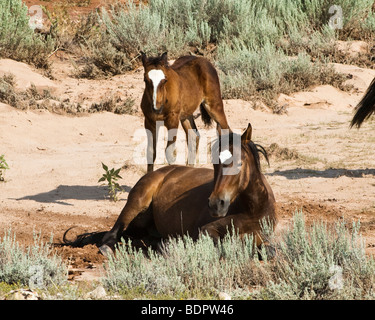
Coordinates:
[256,149]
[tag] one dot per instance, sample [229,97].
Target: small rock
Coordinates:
[22,294]
[224,296]
[98,293]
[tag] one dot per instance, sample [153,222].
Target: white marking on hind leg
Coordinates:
[156,76]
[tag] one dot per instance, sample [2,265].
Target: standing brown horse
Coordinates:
[366,107]
[173,93]
[176,200]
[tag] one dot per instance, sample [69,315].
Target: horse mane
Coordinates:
[256,149]
[156,61]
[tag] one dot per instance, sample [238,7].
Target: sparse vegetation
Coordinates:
[115,105]
[29,99]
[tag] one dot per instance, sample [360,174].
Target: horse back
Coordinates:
[200,66]
[198,76]
[181,61]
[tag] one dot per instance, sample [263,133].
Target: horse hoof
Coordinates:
[105,250]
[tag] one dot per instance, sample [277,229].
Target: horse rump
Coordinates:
[366,107]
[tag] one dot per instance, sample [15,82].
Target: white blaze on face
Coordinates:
[156,76]
[225,155]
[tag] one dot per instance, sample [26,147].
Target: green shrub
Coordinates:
[17,40]
[264,72]
[321,262]
[32,266]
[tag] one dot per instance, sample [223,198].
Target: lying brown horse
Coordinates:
[366,107]
[173,93]
[177,200]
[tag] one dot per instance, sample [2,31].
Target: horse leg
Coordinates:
[151,144]
[239,223]
[171,124]
[215,109]
[139,200]
[192,139]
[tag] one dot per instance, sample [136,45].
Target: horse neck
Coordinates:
[172,76]
[255,194]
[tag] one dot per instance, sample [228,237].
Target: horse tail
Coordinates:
[207,120]
[366,107]
[83,239]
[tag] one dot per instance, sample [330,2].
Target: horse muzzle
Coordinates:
[218,208]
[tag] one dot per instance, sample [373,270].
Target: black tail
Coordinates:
[366,107]
[83,239]
[205,116]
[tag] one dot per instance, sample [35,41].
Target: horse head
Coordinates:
[237,160]
[156,77]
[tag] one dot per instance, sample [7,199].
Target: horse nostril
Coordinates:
[222,202]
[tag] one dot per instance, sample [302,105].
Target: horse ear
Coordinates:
[144,58]
[246,136]
[164,58]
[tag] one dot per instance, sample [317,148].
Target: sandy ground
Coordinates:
[55,160]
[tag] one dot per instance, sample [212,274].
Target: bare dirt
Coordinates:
[319,165]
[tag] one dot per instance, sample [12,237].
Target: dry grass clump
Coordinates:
[23,100]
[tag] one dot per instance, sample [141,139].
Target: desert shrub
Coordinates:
[184,266]
[32,266]
[102,59]
[321,262]
[20,99]
[354,13]
[264,72]
[317,262]
[17,40]
[114,104]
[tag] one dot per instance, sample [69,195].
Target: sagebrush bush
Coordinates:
[35,265]
[267,71]
[317,262]
[17,40]
[321,262]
